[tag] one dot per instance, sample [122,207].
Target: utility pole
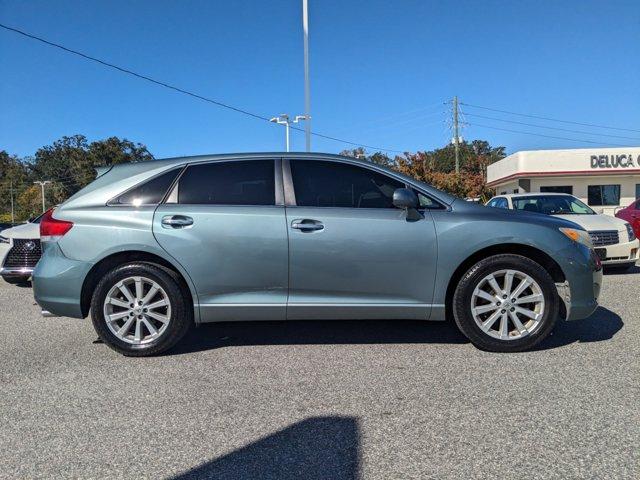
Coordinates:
[42,184]
[456,133]
[283,119]
[307,90]
[13,220]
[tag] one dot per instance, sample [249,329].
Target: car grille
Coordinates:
[601,238]
[24,253]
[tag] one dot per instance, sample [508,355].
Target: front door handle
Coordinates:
[307,225]
[176,221]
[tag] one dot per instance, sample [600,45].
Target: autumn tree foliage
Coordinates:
[437,167]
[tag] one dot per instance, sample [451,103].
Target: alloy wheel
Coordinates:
[508,304]
[137,310]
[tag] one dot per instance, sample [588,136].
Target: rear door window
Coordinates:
[248,182]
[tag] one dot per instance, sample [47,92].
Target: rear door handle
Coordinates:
[307,225]
[176,221]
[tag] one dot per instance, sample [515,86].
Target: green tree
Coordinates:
[71,161]
[29,203]
[14,176]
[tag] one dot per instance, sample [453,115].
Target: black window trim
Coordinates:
[114,203]
[277,176]
[290,196]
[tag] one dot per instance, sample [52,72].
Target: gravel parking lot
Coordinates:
[311,400]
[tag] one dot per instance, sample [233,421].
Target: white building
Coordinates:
[604,178]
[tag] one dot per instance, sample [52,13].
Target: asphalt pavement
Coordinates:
[322,400]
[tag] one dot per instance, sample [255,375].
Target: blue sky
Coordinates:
[380,72]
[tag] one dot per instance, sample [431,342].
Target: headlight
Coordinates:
[4,239]
[630,232]
[578,236]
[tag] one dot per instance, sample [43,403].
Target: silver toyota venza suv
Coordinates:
[151,248]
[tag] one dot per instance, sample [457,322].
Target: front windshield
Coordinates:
[552,205]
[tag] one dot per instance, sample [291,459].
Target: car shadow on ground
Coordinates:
[315,448]
[602,325]
[316,332]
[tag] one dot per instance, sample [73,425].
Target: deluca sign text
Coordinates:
[613,161]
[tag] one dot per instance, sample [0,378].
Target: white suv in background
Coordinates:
[613,238]
[20,251]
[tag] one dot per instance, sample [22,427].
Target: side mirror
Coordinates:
[405,198]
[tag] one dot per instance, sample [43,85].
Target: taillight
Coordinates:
[51,229]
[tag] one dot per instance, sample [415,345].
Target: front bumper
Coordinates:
[15,261]
[581,289]
[621,253]
[23,272]
[57,282]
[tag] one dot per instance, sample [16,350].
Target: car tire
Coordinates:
[169,320]
[486,317]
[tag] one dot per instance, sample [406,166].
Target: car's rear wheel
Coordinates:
[506,303]
[140,310]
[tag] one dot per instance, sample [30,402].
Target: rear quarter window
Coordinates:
[150,192]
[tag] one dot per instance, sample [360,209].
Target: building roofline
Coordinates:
[565,173]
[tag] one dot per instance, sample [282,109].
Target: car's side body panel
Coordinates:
[363,263]
[470,228]
[237,257]
[98,232]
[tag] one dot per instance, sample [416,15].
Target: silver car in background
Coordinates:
[150,248]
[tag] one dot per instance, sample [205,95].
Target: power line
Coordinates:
[550,119]
[410,113]
[551,128]
[546,136]
[181,90]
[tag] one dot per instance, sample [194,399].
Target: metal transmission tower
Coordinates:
[456,132]
[283,119]
[42,184]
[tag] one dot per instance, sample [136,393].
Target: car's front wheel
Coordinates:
[506,303]
[140,310]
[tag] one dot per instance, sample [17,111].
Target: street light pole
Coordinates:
[306,118]
[13,220]
[42,184]
[307,90]
[283,119]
